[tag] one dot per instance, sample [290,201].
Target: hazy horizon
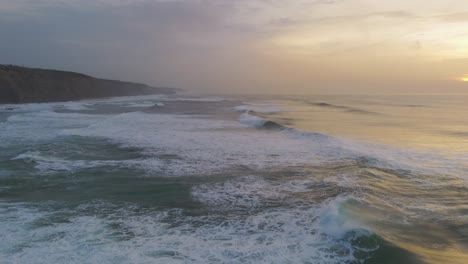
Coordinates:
[269,47]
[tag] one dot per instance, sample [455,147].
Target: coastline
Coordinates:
[20,85]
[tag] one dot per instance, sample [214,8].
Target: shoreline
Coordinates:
[20,85]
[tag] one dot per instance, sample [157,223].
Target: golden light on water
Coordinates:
[464,79]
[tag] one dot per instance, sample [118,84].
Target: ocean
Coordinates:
[236,179]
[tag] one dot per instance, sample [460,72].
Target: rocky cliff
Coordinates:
[28,85]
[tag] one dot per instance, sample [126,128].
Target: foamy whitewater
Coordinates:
[178,179]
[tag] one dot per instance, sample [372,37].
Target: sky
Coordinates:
[255,46]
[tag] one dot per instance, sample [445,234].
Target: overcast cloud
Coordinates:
[222,46]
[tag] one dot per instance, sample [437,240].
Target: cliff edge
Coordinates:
[28,85]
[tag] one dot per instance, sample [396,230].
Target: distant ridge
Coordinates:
[28,85]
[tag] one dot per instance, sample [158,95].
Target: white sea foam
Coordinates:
[34,127]
[242,192]
[334,221]
[38,107]
[250,192]
[252,120]
[49,164]
[77,106]
[281,235]
[201,145]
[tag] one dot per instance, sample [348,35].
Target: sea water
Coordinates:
[286,179]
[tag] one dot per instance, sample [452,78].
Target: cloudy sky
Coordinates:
[261,46]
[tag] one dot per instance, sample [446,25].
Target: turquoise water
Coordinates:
[312,179]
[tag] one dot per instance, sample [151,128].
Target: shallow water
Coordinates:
[173,179]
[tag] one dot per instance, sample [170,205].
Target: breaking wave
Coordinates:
[255,121]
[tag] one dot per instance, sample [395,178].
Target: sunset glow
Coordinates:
[316,46]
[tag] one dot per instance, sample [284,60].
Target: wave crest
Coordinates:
[258,122]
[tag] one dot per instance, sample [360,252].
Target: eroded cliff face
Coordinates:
[27,85]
